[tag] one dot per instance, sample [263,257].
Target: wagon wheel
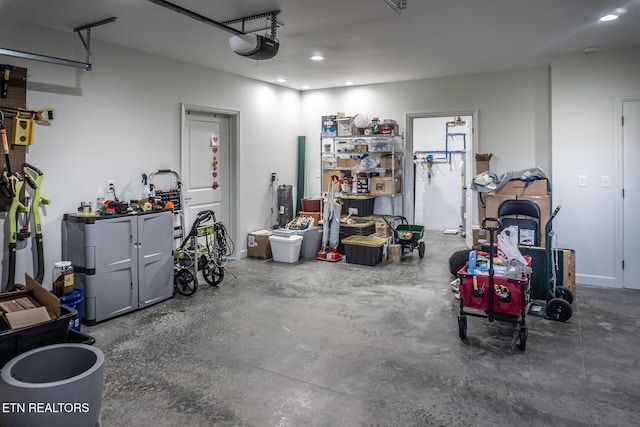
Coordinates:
[523,339]
[421,249]
[462,327]
[212,273]
[185,282]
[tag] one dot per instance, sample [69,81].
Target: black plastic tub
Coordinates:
[16,341]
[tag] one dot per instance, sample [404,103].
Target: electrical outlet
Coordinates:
[582,180]
[606,181]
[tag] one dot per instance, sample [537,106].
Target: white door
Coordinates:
[204,164]
[631,200]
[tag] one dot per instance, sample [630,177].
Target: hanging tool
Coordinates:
[38,199]
[6,72]
[12,217]
[23,231]
[8,187]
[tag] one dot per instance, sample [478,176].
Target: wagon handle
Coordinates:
[494,220]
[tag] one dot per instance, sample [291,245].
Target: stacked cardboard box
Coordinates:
[535,191]
[258,245]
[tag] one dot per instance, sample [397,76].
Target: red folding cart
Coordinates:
[494,297]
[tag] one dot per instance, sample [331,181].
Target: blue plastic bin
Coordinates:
[74,300]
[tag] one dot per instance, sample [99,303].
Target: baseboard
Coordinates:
[593,280]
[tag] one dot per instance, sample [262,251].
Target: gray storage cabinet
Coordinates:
[121,262]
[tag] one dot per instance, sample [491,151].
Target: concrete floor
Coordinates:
[337,344]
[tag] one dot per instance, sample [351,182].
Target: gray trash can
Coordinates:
[57,385]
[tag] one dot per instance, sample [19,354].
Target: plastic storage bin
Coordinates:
[17,341]
[286,249]
[74,300]
[364,250]
[360,228]
[311,205]
[311,240]
[358,205]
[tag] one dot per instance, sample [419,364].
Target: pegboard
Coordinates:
[16,98]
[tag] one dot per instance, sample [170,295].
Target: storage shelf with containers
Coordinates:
[367,160]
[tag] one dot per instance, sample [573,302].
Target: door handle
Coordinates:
[187,198]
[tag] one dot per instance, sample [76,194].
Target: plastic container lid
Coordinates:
[357,197]
[358,224]
[293,238]
[369,241]
[62,264]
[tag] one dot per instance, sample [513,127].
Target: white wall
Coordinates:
[123,118]
[586,124]
[513,113]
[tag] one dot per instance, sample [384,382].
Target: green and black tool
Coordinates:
[12,217]
[37,199]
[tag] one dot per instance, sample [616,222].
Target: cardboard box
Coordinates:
[394,253]
[479,236]
[482,165]
[385,185]
[258,245]
[493,202]
[326,178]
[391,162]
[569,270]
[348,163]
[517,187]
[46,305]
[383,229]
[482,162]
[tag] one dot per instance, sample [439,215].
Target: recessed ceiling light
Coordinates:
[281,80]
[608,18]
[306,87]
[316,57]
[349,83]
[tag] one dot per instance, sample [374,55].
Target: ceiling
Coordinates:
[364,41]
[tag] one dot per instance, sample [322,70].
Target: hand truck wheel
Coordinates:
[185,282]
[565,294]
[558,309]
[212,273]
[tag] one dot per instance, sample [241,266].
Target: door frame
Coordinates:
[410,166]
[619,186]
[234,162]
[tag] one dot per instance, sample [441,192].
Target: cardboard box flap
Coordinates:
[42,295]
